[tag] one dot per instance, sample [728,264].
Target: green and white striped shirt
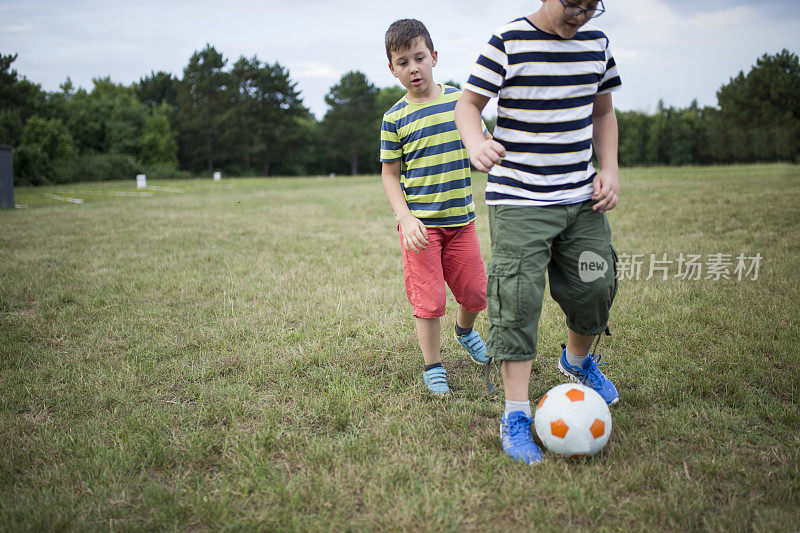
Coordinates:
[435,172]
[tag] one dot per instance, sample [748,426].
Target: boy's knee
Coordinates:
[473,299]
[430,307]
[586,303]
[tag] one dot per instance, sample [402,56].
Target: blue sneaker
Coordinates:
[475,346]
[515,435]
[436,380]
[589,375]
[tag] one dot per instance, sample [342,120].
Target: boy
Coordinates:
[426,176]
[554,78]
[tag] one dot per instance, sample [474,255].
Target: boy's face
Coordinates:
[552,19]
[413,66]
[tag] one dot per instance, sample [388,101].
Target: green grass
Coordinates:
[241,356]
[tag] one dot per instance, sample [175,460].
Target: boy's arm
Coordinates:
[604,139]
[415,236]
[483,152]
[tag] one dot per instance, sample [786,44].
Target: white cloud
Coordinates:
[682,56]
[16,28]
[675,50]
[313,69]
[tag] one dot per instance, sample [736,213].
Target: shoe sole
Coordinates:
[523,461]
[575,379]
[470,355]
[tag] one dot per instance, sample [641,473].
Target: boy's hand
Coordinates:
[487,154]
[415,236]
[606,191]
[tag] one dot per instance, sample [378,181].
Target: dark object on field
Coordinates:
[6,178]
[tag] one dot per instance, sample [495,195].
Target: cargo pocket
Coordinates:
[505,292]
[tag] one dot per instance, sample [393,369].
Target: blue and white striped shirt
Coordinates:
[546,87]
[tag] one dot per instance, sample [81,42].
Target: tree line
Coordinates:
[757,119]
[248,118]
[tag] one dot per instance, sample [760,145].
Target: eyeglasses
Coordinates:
[575,11]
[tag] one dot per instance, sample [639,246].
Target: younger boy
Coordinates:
[426,176]
[554,78]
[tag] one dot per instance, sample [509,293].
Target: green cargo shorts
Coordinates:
[572,243]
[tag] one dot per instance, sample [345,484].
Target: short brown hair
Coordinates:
[402,33]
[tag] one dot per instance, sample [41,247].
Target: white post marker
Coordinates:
[141,181]
[217,176]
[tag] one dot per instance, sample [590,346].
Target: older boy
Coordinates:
[554,78]
[426,176]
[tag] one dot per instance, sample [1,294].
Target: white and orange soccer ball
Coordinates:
[573,420]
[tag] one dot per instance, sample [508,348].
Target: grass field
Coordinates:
[241,356]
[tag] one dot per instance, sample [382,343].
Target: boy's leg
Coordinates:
[464,273]
[583,270]
[469,337]
[516,379]
[521,240]
[424,278]
[516,438]
[424,282]
[583,282]
[429,334]
[465,319]
[579,345]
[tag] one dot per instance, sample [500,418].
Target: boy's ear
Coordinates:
[391,69]
[435,56]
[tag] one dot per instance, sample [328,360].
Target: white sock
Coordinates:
[525,407]
[576,360]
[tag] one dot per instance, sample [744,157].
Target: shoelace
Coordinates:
[486,375]
[518,430]
[592,375]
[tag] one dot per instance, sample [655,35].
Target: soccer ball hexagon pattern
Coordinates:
[572,420]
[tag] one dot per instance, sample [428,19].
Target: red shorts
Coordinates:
[453,256]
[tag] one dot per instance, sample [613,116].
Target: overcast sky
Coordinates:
[675,50]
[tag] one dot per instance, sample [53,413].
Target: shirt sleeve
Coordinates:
[489,70]
[610,80]
[391,150]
